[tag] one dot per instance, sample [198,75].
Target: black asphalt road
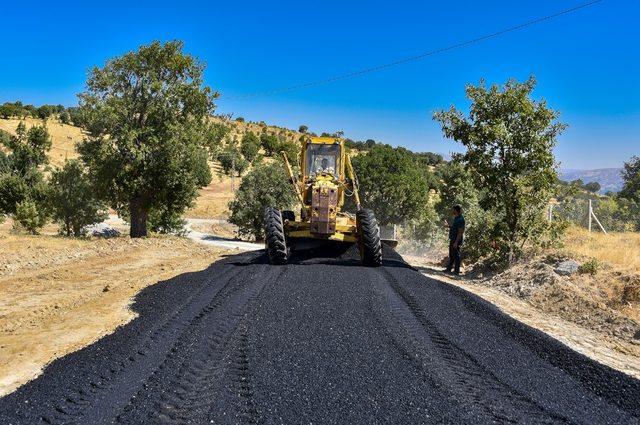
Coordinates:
[321,341]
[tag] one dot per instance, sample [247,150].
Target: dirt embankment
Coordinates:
[58,295]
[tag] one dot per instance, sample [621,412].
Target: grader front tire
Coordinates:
[275,241]
[369,238]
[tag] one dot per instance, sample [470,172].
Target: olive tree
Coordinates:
[147,116]
[509,138]
[72,199]
[265,185]
[391,183]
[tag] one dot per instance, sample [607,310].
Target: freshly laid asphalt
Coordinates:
[323,341]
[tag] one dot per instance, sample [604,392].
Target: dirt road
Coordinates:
[322,340]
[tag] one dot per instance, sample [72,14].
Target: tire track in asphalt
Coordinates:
[453,370]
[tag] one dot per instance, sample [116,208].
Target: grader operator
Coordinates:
[327,176]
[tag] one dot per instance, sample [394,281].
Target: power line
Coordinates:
[411,58]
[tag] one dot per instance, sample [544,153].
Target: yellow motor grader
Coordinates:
[326,177]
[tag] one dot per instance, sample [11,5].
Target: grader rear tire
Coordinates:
[275,240]
[369,238]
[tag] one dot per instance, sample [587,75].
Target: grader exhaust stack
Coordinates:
[327,176]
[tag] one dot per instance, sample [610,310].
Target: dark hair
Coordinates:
[457,208]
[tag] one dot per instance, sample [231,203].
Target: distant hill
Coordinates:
[609,178]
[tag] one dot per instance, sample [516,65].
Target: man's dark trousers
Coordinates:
[454,257]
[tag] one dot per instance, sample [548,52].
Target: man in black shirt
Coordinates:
[456,238]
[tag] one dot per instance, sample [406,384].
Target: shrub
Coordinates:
[73,201]
[589,267]
[30,216]
[249,146]
[270,143]
[265,185]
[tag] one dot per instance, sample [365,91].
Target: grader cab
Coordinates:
[326,178]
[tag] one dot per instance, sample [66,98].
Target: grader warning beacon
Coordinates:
[321,190]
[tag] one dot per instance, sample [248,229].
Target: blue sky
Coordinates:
[587,63]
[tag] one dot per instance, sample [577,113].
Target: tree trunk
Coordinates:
[139,215]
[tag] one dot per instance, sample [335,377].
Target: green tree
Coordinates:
[270,143]
[73,201]
[20,176]
[509,139]
[30,216]
[28,147]
[303,128]
[265,185]
[232,161]
[147,113]
[592,187]
[631,178]
[65,118]
[249,146]
[391,183]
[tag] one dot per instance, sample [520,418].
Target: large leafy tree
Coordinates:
[392,183]
[509,138]
[147,113]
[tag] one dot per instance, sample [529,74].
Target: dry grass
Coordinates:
[58,295]
[621,250]
[213,201]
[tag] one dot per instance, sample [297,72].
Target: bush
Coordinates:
[589,267]
[392,184]
[265,185]
[232,161]
[30,216]
[167,220]
[249,146]
[303,128]
[270,143]
[73,201]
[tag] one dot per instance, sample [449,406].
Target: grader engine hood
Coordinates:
[324,203]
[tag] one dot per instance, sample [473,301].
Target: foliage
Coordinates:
[20,176]
[249,146]
[265,185]
[617,214]
[592,187]
[72,199]
[167,220]
[28,147]
[65,118]
[509,140]
[391,183]
[631,177]
[232,161]
[303,128]
[30,216]
[147,113]
[269,143]
[589,267]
